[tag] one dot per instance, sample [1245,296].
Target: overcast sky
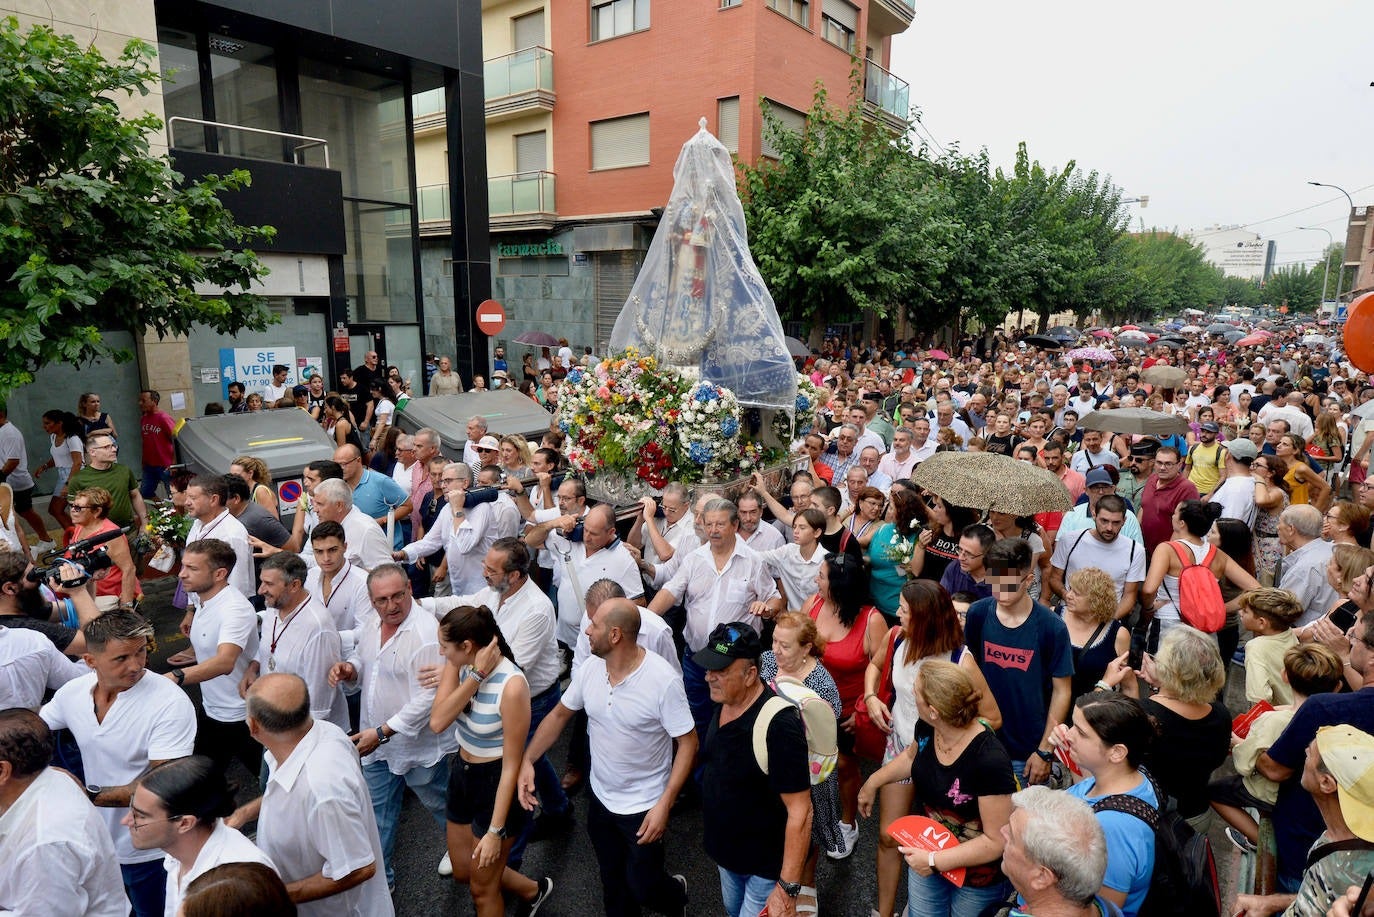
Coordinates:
[1219,110]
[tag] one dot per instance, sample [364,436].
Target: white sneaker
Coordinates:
[446,866]
[849,836]
[43,547]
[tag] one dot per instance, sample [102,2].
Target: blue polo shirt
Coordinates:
[376,494]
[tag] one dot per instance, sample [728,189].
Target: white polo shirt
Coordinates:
[152,721]
[226,618]
[655,635]
[225,845]
[613,562]
[59,859]
[30,666]
[317,818]
[630,728]
[229,530]
[306,644]
[714,596]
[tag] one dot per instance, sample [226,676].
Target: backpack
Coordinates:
[1184,880]
[818,723]
[1199,600]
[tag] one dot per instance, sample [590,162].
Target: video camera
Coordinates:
[86,554]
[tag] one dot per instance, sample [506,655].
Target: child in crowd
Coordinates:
[1269,614]
[1308,669]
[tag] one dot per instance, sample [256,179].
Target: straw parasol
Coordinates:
[1164,376]
[1134,420]
[987,481]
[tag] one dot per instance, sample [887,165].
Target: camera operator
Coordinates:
[57,612]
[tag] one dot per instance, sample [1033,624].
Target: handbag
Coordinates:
[869,741]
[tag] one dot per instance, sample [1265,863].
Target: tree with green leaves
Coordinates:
[99,232]
[1169,273]
[1295,287]
[846,218]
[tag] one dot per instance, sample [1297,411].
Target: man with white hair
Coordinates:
[1302,569]
[869,459]
[476,429]
[367,542]
[1055,855]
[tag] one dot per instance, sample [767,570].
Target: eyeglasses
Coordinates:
[969,554]
[110,445]
[138,819]
[83,507]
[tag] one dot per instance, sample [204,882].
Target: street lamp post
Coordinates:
[1326,258]
[1340,274]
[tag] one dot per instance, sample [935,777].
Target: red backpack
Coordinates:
[1199,601]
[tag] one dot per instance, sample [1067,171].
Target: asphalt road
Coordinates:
[846,888]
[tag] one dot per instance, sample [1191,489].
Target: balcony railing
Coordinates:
[887,93]
[521,196]
[519,82]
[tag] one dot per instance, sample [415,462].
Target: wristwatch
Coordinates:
[93,790]
[382,737]
[499,832]
[1046,756]
[790,889]
[179,675]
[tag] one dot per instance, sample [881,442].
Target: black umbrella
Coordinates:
[1171,343]
[1043,340]
[1063,331]
[1219,328]
[1151,329]
[1233,334]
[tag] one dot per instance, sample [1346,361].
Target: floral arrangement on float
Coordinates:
[630,416]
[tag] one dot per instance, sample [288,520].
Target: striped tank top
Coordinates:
[479,726]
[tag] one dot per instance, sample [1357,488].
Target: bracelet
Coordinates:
[930,861]
[867,696]
[1103,686]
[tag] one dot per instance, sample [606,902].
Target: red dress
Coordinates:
[845,659]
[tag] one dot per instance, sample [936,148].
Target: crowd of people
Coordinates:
[809,663]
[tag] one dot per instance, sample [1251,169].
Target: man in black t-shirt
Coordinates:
[1002,441]
[757,821]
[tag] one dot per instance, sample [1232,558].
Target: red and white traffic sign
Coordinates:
[491,317]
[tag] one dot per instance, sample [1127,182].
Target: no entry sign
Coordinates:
[491,317]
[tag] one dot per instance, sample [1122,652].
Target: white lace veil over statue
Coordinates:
[699,301]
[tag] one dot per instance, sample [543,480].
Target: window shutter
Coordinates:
[620,142]
[842,12]
[531,152]
[727,123]
[792,121]
[529,30]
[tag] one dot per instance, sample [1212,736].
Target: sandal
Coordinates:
[806,901]
[182,659]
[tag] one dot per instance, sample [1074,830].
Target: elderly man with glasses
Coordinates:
[101,470]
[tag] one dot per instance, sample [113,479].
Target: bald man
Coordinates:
[577,564]
[642,747]
[376,494]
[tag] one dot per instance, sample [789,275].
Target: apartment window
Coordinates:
[618,17]
[839,23]
[531,152]
[528,30]
[620,142]
[727,123]
[799,11]
[793,122]
[726,4]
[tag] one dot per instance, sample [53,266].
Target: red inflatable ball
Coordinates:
[1359,333]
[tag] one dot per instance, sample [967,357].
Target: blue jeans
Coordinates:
[146,886]
[152,477]
[744,896]
[698,694]
[936,896]
[548,786]
[386,789]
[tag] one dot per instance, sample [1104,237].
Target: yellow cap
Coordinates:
[1348,755]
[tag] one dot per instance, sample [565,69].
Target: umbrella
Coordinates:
[988,481]
[1043,340]
[1219,328]
[1250,340]
[1130,328]
[1091,354]
[1190,329]
[1365,411]
[1102,333]
[937,355]
[1134,420]
[1314,339]
[1164,376]
[1264,332]
[1193,312]
[1172,343]
[1063,331]
[537,339]
[796,348]
[1151,329]
[1232,335]
[907,364]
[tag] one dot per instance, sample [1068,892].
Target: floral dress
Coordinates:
[1267,548]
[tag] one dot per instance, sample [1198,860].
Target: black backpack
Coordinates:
[1184,881]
